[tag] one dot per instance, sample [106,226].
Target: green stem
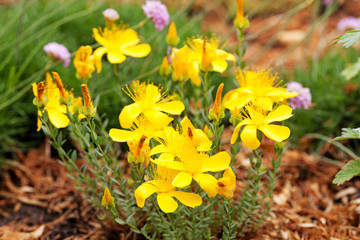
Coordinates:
[161,215]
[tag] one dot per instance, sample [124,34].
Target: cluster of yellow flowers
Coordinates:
[182,152]
[197,55]
[260,101]
[53,98]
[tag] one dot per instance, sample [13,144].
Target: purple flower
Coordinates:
[327,2]
[301,100]
[348,23]
[158,13]
[58,52]
[110,15]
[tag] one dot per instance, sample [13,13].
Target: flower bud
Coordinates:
[172,38]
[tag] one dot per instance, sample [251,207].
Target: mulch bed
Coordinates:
[38,200]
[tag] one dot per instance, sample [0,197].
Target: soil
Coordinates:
[38,200]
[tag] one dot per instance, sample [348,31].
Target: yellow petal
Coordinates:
[140,50]
[207,183]
[128,37]
[188,199]
[166,203]
[115,57]
[34,89]
[98,53]
[193,72]
[129,114]
[275,132]
[169,164]
[278,94]
[279,114]
[144,191]
[235,134]
[182,179]
[119,135]
[219,65]
[173,107]
[249,137]
[100,39]
[38,123]
[58,118]
[158,149]
[218,162]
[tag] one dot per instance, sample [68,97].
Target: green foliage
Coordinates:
[348,133]
[351,70]
[350,170]
[349,38]
[334,106]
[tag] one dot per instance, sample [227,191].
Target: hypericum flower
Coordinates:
[209,56]
[158,13]
[84,62]
[118,42]
[107,199]
[217,112]
[172,38]
[150,101]
[189,133]
[185,66]
[89,109]
[348,23]
[58,52]
[161,184]
[303,100]
[240,21]
[227,184]
[139,136]
[179,153]
[110,15]
[256,118]
[255,85]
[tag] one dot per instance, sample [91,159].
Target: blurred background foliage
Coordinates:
[28,25]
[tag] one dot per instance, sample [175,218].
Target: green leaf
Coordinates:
[120,221]
[348,133]
[350,170]
[351,70]
[349,38]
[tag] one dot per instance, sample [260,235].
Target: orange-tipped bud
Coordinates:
[89,109]
[217,112]
[172,38]
[165,68]
[86,95]
[240,21]
[107,200]
[59,84]
[40,91]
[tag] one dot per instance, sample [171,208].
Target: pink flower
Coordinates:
[110,15]
[58,52]
[348,23]
[303,100]
[327,2]
[158,13]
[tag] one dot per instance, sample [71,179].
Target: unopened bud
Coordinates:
[59,84]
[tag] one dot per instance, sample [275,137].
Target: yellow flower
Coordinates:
[227,184]
[161,184]
[178,152]
[209,56]
[139,136]
[197,137]
[185,66]
[172,38]
[118,42]
[84,62]
[107,200]
[256,85]
[255,117]
[217,112]
[150,101]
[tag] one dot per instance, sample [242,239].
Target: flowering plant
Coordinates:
[174,141]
